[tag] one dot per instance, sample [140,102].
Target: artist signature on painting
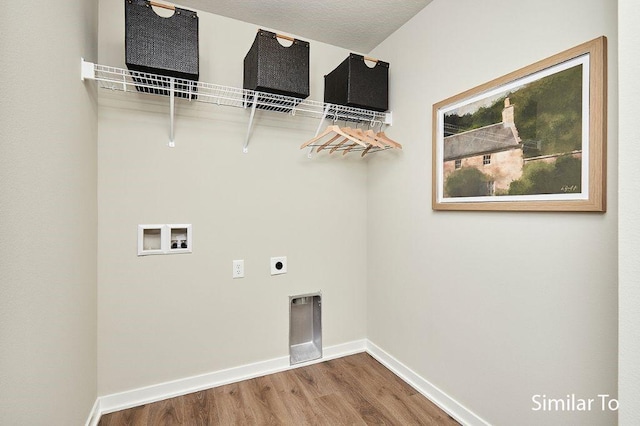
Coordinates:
[569,188]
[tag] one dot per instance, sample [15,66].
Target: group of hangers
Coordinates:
[347,139]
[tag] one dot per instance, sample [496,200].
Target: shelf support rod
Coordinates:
[172,111]
[324,115]
[245,148]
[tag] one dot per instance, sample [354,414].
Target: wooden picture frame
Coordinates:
[532,140]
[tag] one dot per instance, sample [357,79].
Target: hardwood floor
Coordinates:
[354,390]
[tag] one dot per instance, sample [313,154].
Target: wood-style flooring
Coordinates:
[354,390]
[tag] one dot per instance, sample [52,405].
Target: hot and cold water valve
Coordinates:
[179,238]
[164,239]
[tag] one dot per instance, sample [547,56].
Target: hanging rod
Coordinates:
[121,79]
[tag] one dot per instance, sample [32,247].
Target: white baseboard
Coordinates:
[135,397]
[94,415]
[426,388]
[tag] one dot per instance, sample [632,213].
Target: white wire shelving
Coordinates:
[121,79]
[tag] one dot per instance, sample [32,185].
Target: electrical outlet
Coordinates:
[238,268]
[278,265]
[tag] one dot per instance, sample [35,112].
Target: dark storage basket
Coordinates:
[273,68]
[165,46]
[354,84]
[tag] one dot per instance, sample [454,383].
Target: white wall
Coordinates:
[492,308]
[629,218]
[170,317]
[48,214]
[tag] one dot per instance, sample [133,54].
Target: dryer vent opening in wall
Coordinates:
[305,328]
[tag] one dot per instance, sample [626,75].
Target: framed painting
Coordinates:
[532,140]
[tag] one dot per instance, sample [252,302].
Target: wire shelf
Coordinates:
[131,81]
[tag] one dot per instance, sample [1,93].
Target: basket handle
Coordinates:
[367,58]
[162,5]
[286,37]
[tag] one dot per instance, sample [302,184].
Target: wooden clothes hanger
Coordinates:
[382,137]
[361,135]
[385,139]
[366,151]
[350,137]
[349,148]
[327,143]
[332,129]
[338,145]
[325,132]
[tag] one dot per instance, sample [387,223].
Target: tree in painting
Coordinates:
[467,182]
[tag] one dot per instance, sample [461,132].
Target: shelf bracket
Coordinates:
[245,148]
[324,116]
[172,111]
[87,70]
[388,118]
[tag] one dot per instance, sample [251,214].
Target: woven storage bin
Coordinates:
[354,84]
[165,46]
[273,68]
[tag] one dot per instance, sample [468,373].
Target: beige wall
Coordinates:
[492,308]
[169,317]
[48,214]
[629,229]
[489,341]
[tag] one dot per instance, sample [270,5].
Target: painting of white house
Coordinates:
[524,141]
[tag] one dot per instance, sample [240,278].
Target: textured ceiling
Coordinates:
[356,25]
